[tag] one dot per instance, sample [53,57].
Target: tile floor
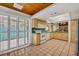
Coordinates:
[50,48]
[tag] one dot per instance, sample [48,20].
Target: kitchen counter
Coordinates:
[58,32]
[39,38]
[60,35]
[36,38]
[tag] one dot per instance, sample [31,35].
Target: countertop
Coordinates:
[57,32]
[50,32]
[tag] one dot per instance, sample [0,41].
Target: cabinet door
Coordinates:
[72,28]
[34,23]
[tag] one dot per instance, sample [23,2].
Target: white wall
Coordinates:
[30,30]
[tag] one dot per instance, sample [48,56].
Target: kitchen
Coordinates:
[53,29]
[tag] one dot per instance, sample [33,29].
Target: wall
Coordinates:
[49,27]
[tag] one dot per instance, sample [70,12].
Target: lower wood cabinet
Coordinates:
[36,39]
[60,36]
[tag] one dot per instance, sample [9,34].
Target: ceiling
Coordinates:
[60,18]
[28,8]
[58,9]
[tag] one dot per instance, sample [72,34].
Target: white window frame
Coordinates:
[18,47]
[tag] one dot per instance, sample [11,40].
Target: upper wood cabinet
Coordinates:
[37,22]
[72,30]
[34,23]
[72,25]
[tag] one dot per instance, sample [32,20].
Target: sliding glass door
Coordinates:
[13,32]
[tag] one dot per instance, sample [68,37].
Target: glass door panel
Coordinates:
[4,41]
[26,31]
[13,39]
[21,38]
[3,33]
[21,32]
[13,32]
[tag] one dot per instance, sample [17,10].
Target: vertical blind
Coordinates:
[13,32]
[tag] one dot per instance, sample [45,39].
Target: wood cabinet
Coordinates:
[72,37]
[49,36]
[36,39]
[72,25]
[60,36]
[36,22]
[72,30]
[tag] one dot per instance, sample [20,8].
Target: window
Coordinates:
[13,32]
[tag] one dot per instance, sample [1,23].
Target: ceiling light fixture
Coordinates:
[18,6]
